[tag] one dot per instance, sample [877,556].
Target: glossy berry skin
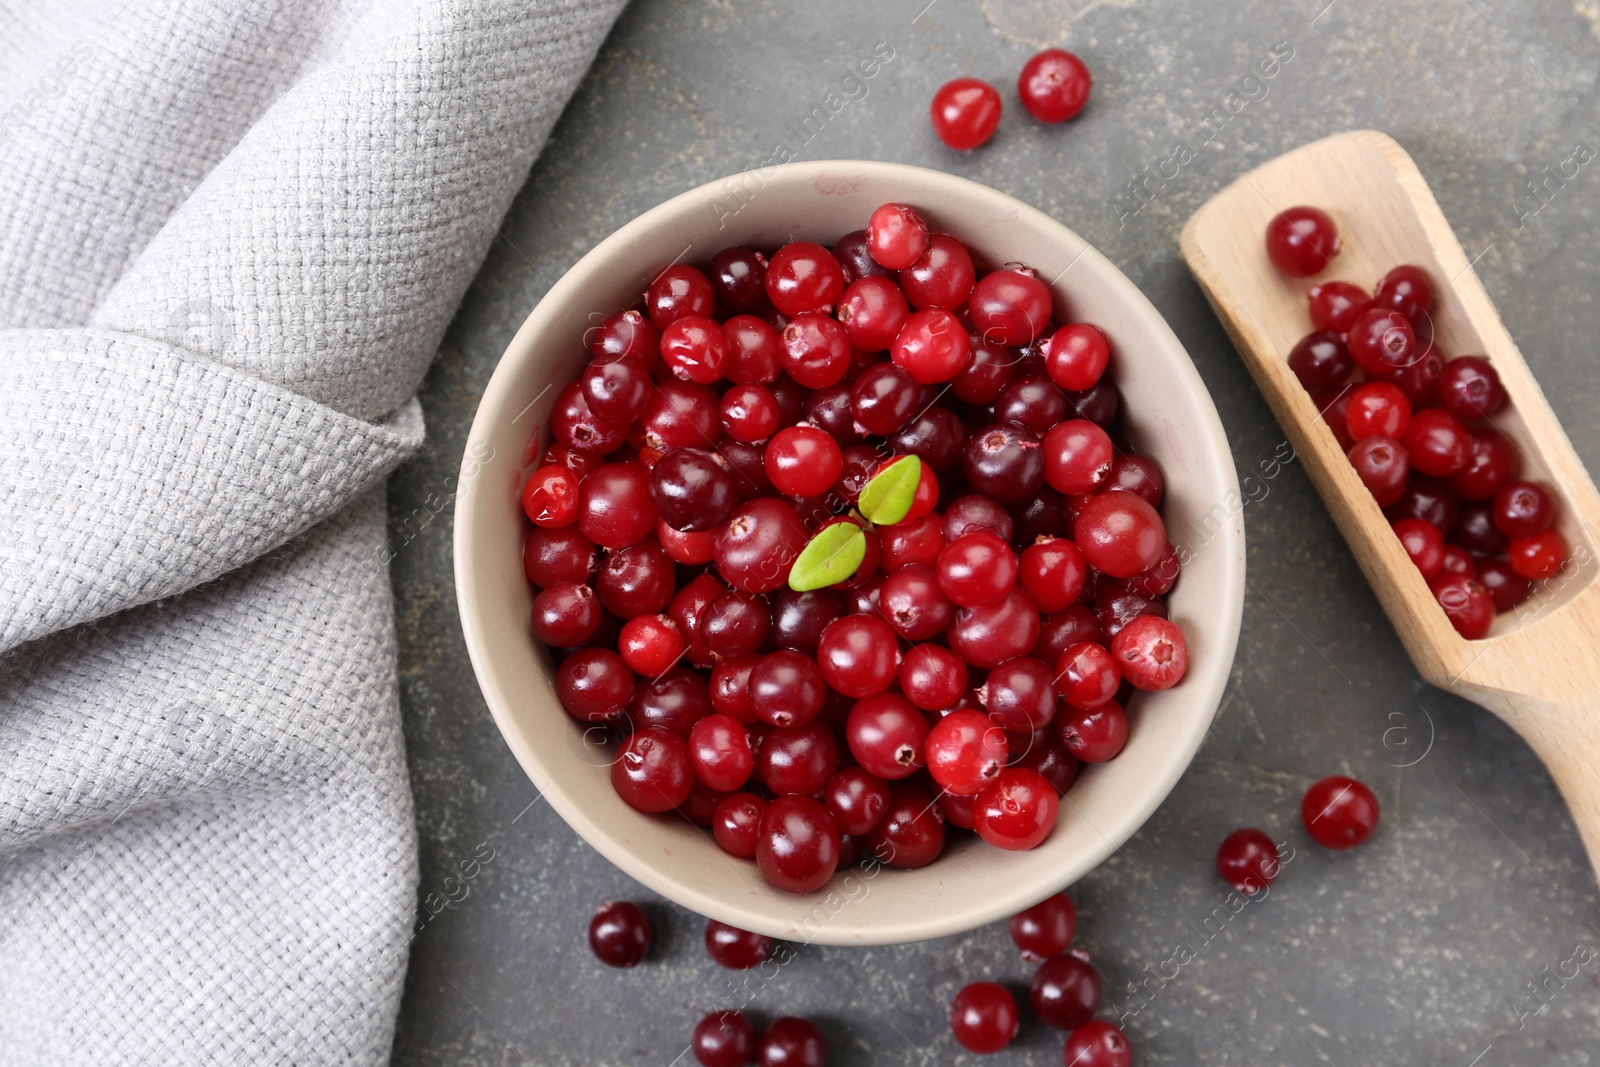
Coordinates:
[1004,462]
[942,278]
[724,1039]
[1339,812]
[652,771]
[935,435]
[1010,306]
[1378,409]
[695,349]
[720,751]
[896,236]
[792,1042]
[620,934]
[1045,930]
[1406,289]
[1077,457]
[1458,560]
[1151,653]
[759,544]
[1439,446]
[974,512]
[736,823]
[798,846]
[572,424]
[674,702]
[1382,341]
[681,414]
[625,335]
[786,688]
[855,259]
[1418,379]
[873,311]
[1093,735]
[1248,860]
[858,655]
[932,345]
[1017,811]
[966,751]
[1097,1044]
[594,684]
[1383,466]
[1335,306]
[736,949]
[637,580]
[911,600]
[989,635]
[755,351]
[1020,694]
[749,413]
[816,350]
[965,112]
[911,832]
[887,735]
[803,276]
[1302,241]
[983,1017]
[1424,543]
[1120,534]
[1076,356]
[550,497]
[932,677]
[798,759]
[883,398]
[1065,992]
[1466,603]
[566,615]
[677,292]
[650,644]
[1054,85]
[1321,361]
[857,798]
[1537,557]
[1523,509]
[1492,466]
[1052,571]
[1505,586]
[1469,388]
[976,569]
[1475,530]
[615,508]
[803,461]
[687,546]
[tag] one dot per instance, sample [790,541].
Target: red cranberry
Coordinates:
[759,545]
[1405,289]
[1418,379]
[678,291]
[637,580]
[1381,341]
[1469,388]
[1423,543]
[1004,462]
[1086,675]
[798,759]
[816,350]
[1383,467]
[1335,306]
[873,311]
[736,949]
[737,823]
[552,556]
[730,688]
[1538,556]
[896,236]
[566,615]
[1010,306]
[682,414]
[652,772]
[1438,445]
[965,112]
[858,655]
[688,604]
[803,461]
[649,644]
[1054,85]
[755,352]
[1017,811]
[857,798]
[1505,586]
[1077,457]
[1248,860]
[1339,812]
[1098,1044]
[1321,361]
[720,751]
[1093,735]
[932,345]
[749,413]
[695,349]
[966,751]
[911,832]
[975,512]
[1052,571]
[1335,408]
[792,1042]
[687,546]
[942,278]
[724,1039]
[1032,401]
[614,505]
[798,847]
[578,428]
[932,677]
[983,1017]
[1378,409]
[1523,509]
[625,335]
[1098,404]
[1020,694]
[976,569]
[887,736]
[1065,992]
[1428,499]
[1492,466]
[1302,241]
[1076,356]
[620,934]
[1120,534]
[803,276]
[1045,930]
[911,600]
[618,391]
[989,635]
[1151,653]
[1458,560]
[594,684]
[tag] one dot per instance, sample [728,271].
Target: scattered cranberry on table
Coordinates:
[724,1039]
[1097,1044]
[736,949]
[1046,929]
[1248,860]
[965,112]
[1418,430]
[620,934]
[792,1042]
[1065,992]
[983,1017]
[1054,85]
[1339,812]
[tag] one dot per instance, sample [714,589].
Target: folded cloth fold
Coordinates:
[231,237]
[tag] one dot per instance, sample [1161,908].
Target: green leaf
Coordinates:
[831,557]
[887,497]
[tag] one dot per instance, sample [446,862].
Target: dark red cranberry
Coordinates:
[730,688]
[887,735]
[652,772]
[1381,341]
[1116,606]
[1418,380]
[736,949]
[759,544]
[1093,735]
[594,684]
[735,624]
[932,677]
[1248,860]
[935,435]
[912,602]
[685,609]
[983,1017]
[803,276]
[1120,534]
[786,688]
[942,278]
[1045,930]
[1098,404]
[637,580]
[737,823]
[1020,694]
[857,799]
[798,847]
[675,701]
[798,759]
[739,279]
[1010,306]
[1321,361]
[798,619]
[1523,509]
[1469,388]
[1438,445]
[883,398]
[1505,586]
[965,112]
[989,635]
[975,512]
[816,350]
[1383,467]
[1335,409]
[858,655]
[566,615]
[1492,467]
[1065,992]
[1158,580]
[988,369]
[724,1039]
[911,832]
[620,934]
[1335,306]
[1475,530]
[1428,499]
[755,351]
[1049,758]
[1424,543]
[792,1042]
[1339,812]
[1406,289]
[1302,241]
[1004,462]
[625,335]
[678,291]
[617,392]
[1098,1044]
[1139,475]
[855,259]
[580,429]
[1034,402]
[682,414]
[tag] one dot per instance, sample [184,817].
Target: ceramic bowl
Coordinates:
[1167,414]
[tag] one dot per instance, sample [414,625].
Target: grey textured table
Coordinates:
[1420,947]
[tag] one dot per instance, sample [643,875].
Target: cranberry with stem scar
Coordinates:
[1093,735]
[1078,457]
[1381,341]
[932,677]
[873,311]
[887,735]
[1097,1044]
[966,751]
[786,688]
[1150,652]
[1383,467]
[1017,811]
[1469,388]
[1004,462]
[1523,509]
[652,772]
[1054,85]
[816,350]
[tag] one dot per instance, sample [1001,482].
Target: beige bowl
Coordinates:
[1170,416]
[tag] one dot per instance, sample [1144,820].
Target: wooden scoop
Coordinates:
[1539,667]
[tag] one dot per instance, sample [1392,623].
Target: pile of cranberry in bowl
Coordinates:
[844,550]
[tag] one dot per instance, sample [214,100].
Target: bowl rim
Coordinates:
[1223,628]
